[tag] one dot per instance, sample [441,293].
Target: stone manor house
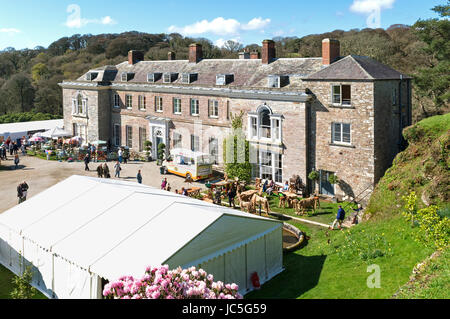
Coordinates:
[336,115]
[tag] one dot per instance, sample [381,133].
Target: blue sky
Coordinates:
[28,23]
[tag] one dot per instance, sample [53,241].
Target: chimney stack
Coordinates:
[331,51]
[171,56]
[268,51]
[255,55]
[195,53]
[135,57]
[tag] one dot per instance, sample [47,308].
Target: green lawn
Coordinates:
[318,271]
[6,285]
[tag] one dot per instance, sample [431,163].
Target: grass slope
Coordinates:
[331,266]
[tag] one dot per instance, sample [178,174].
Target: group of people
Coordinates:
[165,185]
[103,171]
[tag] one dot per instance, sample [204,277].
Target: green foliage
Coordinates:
[161,151]
[364,245]
[314,175]
[434,229]
[26,117]
[22,288]
[410,207]
[433,80]
[239,165]
[333,179]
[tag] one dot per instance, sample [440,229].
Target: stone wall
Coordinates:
[388,129]
[352,164]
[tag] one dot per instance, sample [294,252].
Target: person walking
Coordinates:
[339,218]
[15,148]
[169,188]
[100,171]
[11,148]
[22,148]
[117,169]
[139,177]
[16,161]
[164,184]
[120,154]
[106,171]
[231,196]
[86,162]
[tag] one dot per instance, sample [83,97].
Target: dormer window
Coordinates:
[277,81]
[169,77]
[224,79]
[90,76]
[126,76]
[187,78]
[153,77]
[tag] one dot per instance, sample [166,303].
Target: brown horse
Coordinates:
[260,201]
[313,202]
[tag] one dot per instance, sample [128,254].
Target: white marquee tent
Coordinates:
[85,229]
[18,130]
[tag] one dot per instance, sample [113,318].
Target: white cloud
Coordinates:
[256,24]
[220,26]
[369,6]
[373,9]
[9,30]
[74,20]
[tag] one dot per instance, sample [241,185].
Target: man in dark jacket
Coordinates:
[339,218]
[86,162]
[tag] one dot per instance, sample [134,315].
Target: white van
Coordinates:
[187,163]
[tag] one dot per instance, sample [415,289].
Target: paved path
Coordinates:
[42,174]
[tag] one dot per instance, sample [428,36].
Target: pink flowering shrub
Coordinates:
[162,283]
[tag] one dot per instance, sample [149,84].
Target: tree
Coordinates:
[39,71]
[433,81]
[22,288]
[233,46]
[20,92]
[236,151]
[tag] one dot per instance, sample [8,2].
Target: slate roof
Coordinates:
[248,73]
[354,67]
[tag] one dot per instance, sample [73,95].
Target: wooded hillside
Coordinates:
[29,78]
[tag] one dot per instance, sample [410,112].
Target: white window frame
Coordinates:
[213,109]
[273,167]
[333,94]
[341,133]
[175,105]
[124,77]
[142,102]
[197,107]
[129,98]
[129,137]
[159,104]
[276,131]
[76,107]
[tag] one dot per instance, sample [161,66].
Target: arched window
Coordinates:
[265,122]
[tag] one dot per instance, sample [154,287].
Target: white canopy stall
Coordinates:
[85,229]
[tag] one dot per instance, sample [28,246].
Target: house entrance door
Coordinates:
[326,188]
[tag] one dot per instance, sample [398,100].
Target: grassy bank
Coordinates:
[6,285]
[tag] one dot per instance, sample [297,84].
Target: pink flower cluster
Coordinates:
[162,283]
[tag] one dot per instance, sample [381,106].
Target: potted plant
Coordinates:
[161,153]
[148,147]
[314,176]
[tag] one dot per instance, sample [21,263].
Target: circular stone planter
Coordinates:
[292,238]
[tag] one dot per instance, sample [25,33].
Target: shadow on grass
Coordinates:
[301,274]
